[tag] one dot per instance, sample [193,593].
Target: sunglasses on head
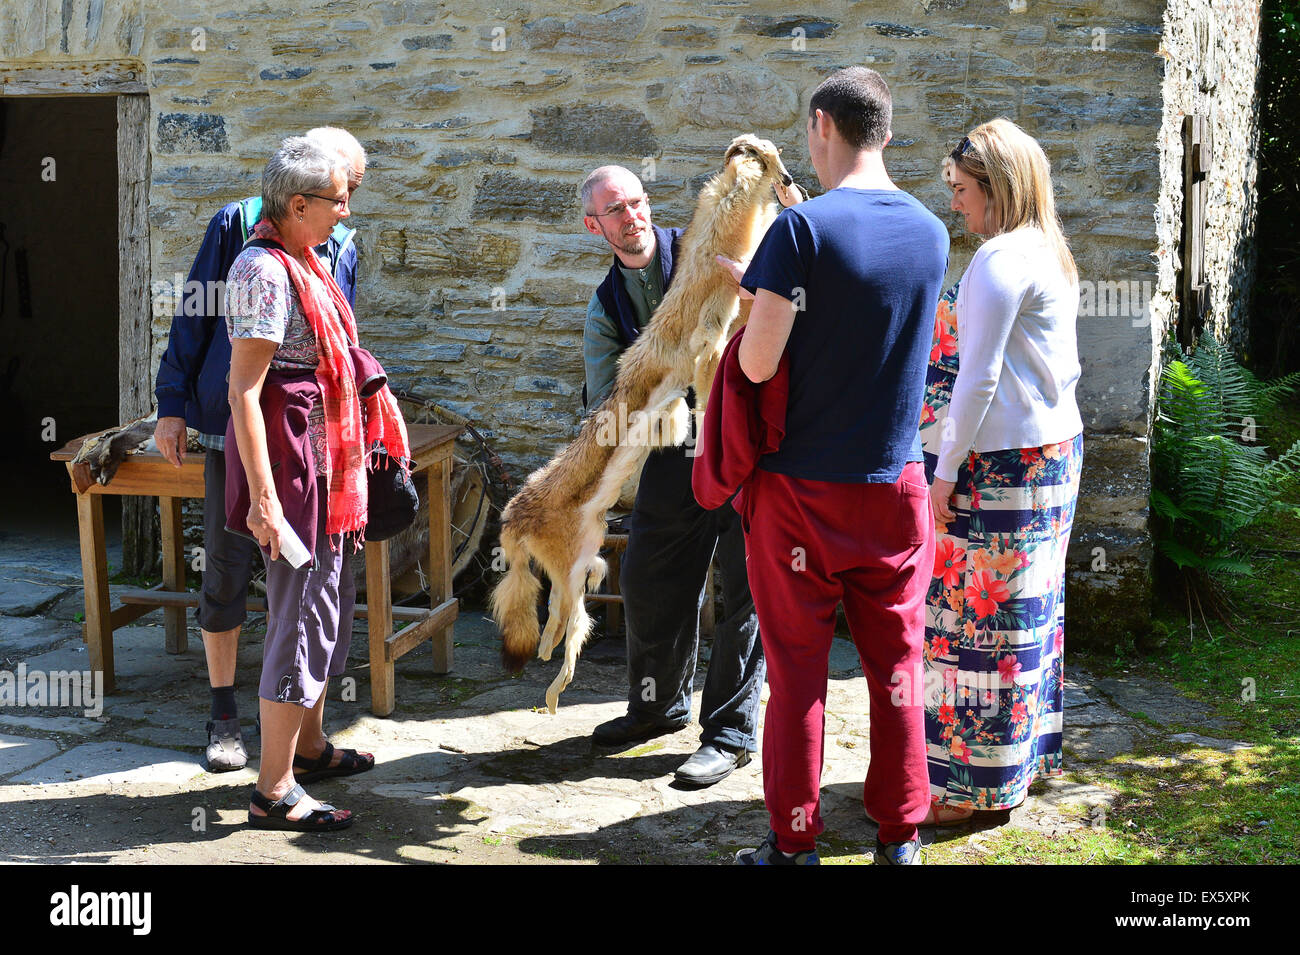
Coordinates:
[963,147]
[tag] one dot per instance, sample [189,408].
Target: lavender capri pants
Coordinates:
[308,623]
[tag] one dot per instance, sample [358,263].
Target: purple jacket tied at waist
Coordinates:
[287,401]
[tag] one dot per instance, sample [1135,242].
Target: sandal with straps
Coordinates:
[941,814]
[306,769]
[324,819]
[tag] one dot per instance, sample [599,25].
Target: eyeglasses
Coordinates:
[339,204]
[963,147]
[618,208]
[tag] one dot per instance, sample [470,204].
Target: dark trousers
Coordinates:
[228,558]
[671,541]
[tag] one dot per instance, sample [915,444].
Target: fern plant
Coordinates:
[1213,479]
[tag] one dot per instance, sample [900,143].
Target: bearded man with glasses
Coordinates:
[671,539]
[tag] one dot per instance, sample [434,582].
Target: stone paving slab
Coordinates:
[71,606]
[1099,744]
[21,597]
[1152,700]
[52,574]
[844,657]
[1222,745]
[115,764]
[18,753]
[1074,695]
[140,658]
[471,767]
[189,739]
[20,637]
[58,556]
[63,725]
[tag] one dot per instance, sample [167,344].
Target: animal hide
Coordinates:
[106,451]
[557,520]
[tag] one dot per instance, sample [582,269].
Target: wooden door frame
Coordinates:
[125,81]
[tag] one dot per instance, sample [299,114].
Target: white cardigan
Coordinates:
[1018,361]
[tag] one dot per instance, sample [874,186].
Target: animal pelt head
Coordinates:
[104,452]
[747,145]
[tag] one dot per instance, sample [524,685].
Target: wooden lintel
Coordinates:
[117,77]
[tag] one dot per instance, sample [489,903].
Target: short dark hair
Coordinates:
[857,99]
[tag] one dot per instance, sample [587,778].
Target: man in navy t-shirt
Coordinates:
[846,284]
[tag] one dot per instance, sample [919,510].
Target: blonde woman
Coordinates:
[1004,446]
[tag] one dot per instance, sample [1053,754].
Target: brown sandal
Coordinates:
[941,814]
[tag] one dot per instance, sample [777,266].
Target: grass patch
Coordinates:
[1090,845]
[1198,806]
[1180,803]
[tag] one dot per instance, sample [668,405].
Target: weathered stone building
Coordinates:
[481,118]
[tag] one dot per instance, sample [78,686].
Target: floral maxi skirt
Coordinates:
[995,613]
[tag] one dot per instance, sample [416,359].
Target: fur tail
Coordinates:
[514,604]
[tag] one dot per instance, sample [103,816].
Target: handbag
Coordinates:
[392,502]
[391,499]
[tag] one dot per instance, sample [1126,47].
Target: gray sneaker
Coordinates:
[899,853]
[225,752]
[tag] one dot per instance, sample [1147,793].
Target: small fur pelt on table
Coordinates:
[105,452]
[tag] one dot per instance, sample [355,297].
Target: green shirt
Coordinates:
[645,287]
[601,345]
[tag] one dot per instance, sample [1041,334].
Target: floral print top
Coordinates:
[261,302]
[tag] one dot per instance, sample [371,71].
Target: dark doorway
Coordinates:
[59,327]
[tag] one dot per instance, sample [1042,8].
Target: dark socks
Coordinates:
[224,706]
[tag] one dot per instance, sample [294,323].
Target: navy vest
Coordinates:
[613,293]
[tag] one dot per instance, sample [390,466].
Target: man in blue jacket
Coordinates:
[671,539]
[192,392]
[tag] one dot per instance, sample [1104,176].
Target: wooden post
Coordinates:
[379,604]
[135,329]
[440,556]
[98,631]
[173,570]
[1193,292]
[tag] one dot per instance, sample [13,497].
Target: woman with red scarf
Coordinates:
[295,400]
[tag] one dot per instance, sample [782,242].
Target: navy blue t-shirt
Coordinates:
[867,265]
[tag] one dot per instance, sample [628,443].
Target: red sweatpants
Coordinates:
[811,545]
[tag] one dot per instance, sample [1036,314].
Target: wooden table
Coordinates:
[148,474]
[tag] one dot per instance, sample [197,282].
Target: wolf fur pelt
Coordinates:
[557,520]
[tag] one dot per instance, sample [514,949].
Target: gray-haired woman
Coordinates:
[291,331]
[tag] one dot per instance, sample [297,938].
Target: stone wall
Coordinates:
[1210,52]
[481,119]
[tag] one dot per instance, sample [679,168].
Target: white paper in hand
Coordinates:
[292,548]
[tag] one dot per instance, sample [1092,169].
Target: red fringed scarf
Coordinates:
[347,448]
